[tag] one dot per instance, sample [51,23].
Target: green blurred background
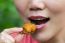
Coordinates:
[9,16]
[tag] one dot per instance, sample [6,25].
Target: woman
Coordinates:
[49,17]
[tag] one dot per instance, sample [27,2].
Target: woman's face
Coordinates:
[48,15]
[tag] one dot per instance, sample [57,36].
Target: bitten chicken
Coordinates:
[29,27]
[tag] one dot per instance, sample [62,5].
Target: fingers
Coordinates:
[10,35]
[11,30]
[6,38]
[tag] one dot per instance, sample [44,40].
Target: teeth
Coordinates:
[39,19]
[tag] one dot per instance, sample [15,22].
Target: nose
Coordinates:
[36,5]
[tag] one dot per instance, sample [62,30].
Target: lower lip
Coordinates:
[40,26]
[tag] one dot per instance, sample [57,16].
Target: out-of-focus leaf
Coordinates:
[9,16]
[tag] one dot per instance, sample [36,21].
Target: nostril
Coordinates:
[35,9]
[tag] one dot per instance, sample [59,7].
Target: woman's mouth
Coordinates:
[39,21]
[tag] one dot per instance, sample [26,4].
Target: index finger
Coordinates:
[11,30]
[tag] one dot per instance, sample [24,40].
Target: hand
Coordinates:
[11,35]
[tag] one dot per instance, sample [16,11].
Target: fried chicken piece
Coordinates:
[29,27]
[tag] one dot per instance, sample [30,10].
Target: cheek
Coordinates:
[54,5]
[21,5]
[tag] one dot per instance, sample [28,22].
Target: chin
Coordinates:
[48,32]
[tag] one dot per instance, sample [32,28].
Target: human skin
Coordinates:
[10,35]
[54,9]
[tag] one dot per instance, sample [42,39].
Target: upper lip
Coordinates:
[38,19]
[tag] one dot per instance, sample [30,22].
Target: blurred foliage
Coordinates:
[9,16]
